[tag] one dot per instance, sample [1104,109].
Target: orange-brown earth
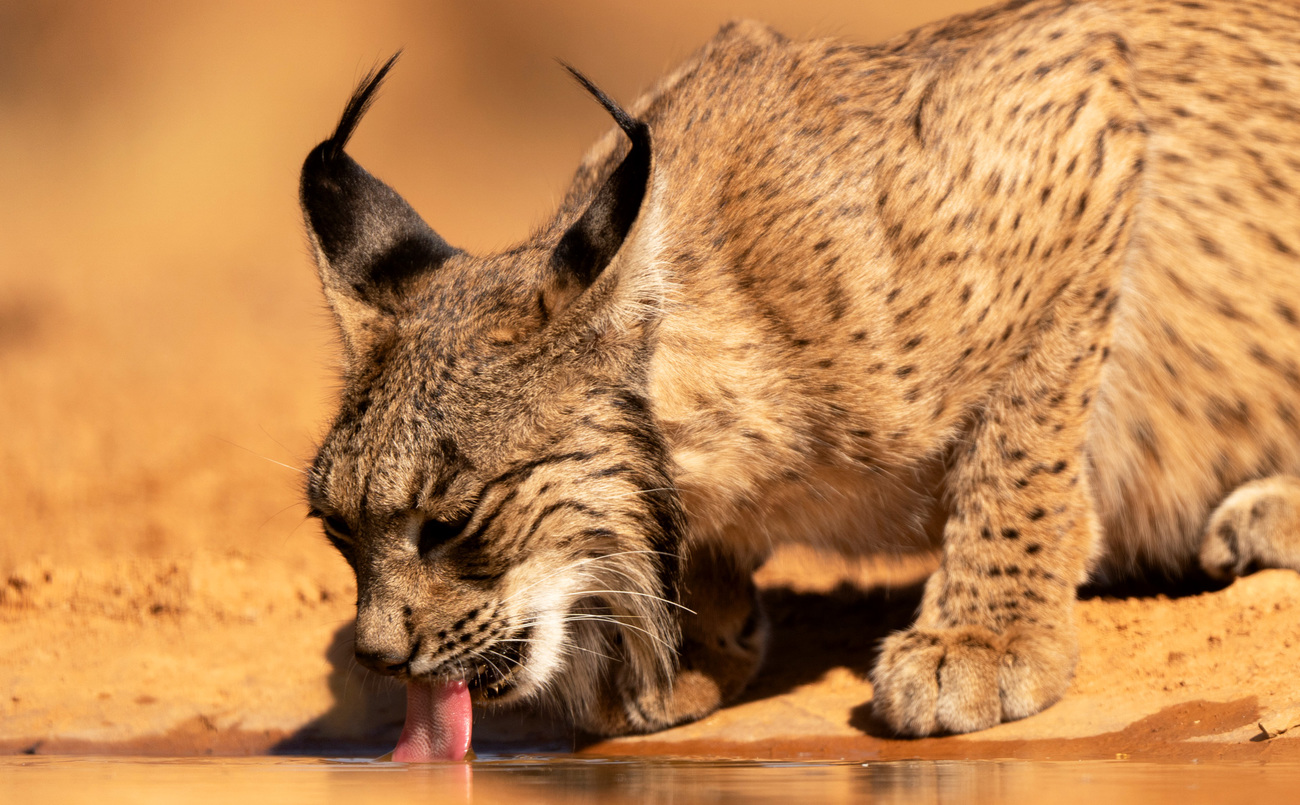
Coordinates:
[165,363]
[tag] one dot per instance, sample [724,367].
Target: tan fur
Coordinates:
[1023,284]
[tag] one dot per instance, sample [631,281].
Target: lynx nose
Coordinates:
[382,662]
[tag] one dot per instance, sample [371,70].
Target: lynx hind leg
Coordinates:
[1257,526]
[724,639]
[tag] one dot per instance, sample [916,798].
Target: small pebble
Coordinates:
[1279,721]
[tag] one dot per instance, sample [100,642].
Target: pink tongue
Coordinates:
[438,721]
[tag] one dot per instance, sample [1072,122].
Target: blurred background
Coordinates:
[166,361]
[160,322]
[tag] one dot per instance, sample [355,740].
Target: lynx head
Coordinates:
[494,476]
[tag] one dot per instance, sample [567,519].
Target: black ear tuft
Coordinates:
[633,128]
[591,243]
[362,97]
[370,240]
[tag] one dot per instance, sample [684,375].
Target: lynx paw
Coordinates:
[964,679]
[718,657]
[1254,527]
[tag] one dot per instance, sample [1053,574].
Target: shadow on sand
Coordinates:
[811,633]
[367,712]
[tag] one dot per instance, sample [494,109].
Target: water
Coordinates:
[248,781]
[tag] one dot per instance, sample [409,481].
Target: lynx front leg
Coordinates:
[1048,189]
[724,637]
[995,639]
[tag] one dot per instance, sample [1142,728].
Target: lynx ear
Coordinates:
[369,242]
[588,247]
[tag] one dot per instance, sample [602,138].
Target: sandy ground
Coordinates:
[165,365]
[223,654]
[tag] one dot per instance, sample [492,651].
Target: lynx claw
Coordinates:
[932,681]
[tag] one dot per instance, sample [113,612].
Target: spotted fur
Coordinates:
[1022,284]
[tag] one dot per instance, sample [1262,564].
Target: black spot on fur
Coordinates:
[1280,246]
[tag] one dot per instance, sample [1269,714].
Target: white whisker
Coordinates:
[483,656]
[572,566]
[643,492]
[566,647]
[641,595]
[571,618]
[299,470]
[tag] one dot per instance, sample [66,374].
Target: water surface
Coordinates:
[249,781]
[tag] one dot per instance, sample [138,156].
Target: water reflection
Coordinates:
[248,781]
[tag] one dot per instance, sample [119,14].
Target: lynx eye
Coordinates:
[435,533]
[336,528]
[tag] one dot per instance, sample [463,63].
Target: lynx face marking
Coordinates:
[1019,285]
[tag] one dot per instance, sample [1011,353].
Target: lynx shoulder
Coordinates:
[1022,285]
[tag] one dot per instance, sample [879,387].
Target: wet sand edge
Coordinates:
[1165,736]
